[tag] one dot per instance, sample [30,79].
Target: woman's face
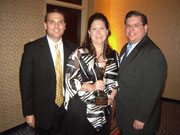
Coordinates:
[98,32]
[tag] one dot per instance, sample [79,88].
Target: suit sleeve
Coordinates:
[26,81]
[154,74]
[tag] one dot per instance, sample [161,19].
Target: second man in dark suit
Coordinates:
[141,80]
[38,77]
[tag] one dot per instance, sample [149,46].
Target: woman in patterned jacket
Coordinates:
[82,82]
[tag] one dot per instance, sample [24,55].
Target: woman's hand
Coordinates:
[111,97]
[98,85]
[110,101]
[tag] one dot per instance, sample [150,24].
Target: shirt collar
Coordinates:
[51,42]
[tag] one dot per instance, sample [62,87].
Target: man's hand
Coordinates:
[138,124]
[30,119]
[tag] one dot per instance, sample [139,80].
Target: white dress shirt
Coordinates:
[53,52]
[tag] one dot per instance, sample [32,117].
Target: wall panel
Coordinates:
[164,21]
[20,22]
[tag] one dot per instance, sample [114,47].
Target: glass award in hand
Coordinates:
[101,97]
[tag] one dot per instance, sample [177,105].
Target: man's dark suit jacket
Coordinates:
[141,80]
[38,80]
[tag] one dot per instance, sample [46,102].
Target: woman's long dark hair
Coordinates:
[88,42]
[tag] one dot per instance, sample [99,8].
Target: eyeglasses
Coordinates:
[133,26]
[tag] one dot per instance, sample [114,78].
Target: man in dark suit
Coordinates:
[38,77]
[141,79]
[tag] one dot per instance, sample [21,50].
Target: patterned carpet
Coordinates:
[170,119]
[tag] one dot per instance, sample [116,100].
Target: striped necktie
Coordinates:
[59,77]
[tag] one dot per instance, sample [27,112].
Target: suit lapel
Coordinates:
[133,54]
[123,50]
[67,52]
[45,50]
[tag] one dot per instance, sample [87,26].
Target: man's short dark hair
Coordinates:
[136,13]
[55,10]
